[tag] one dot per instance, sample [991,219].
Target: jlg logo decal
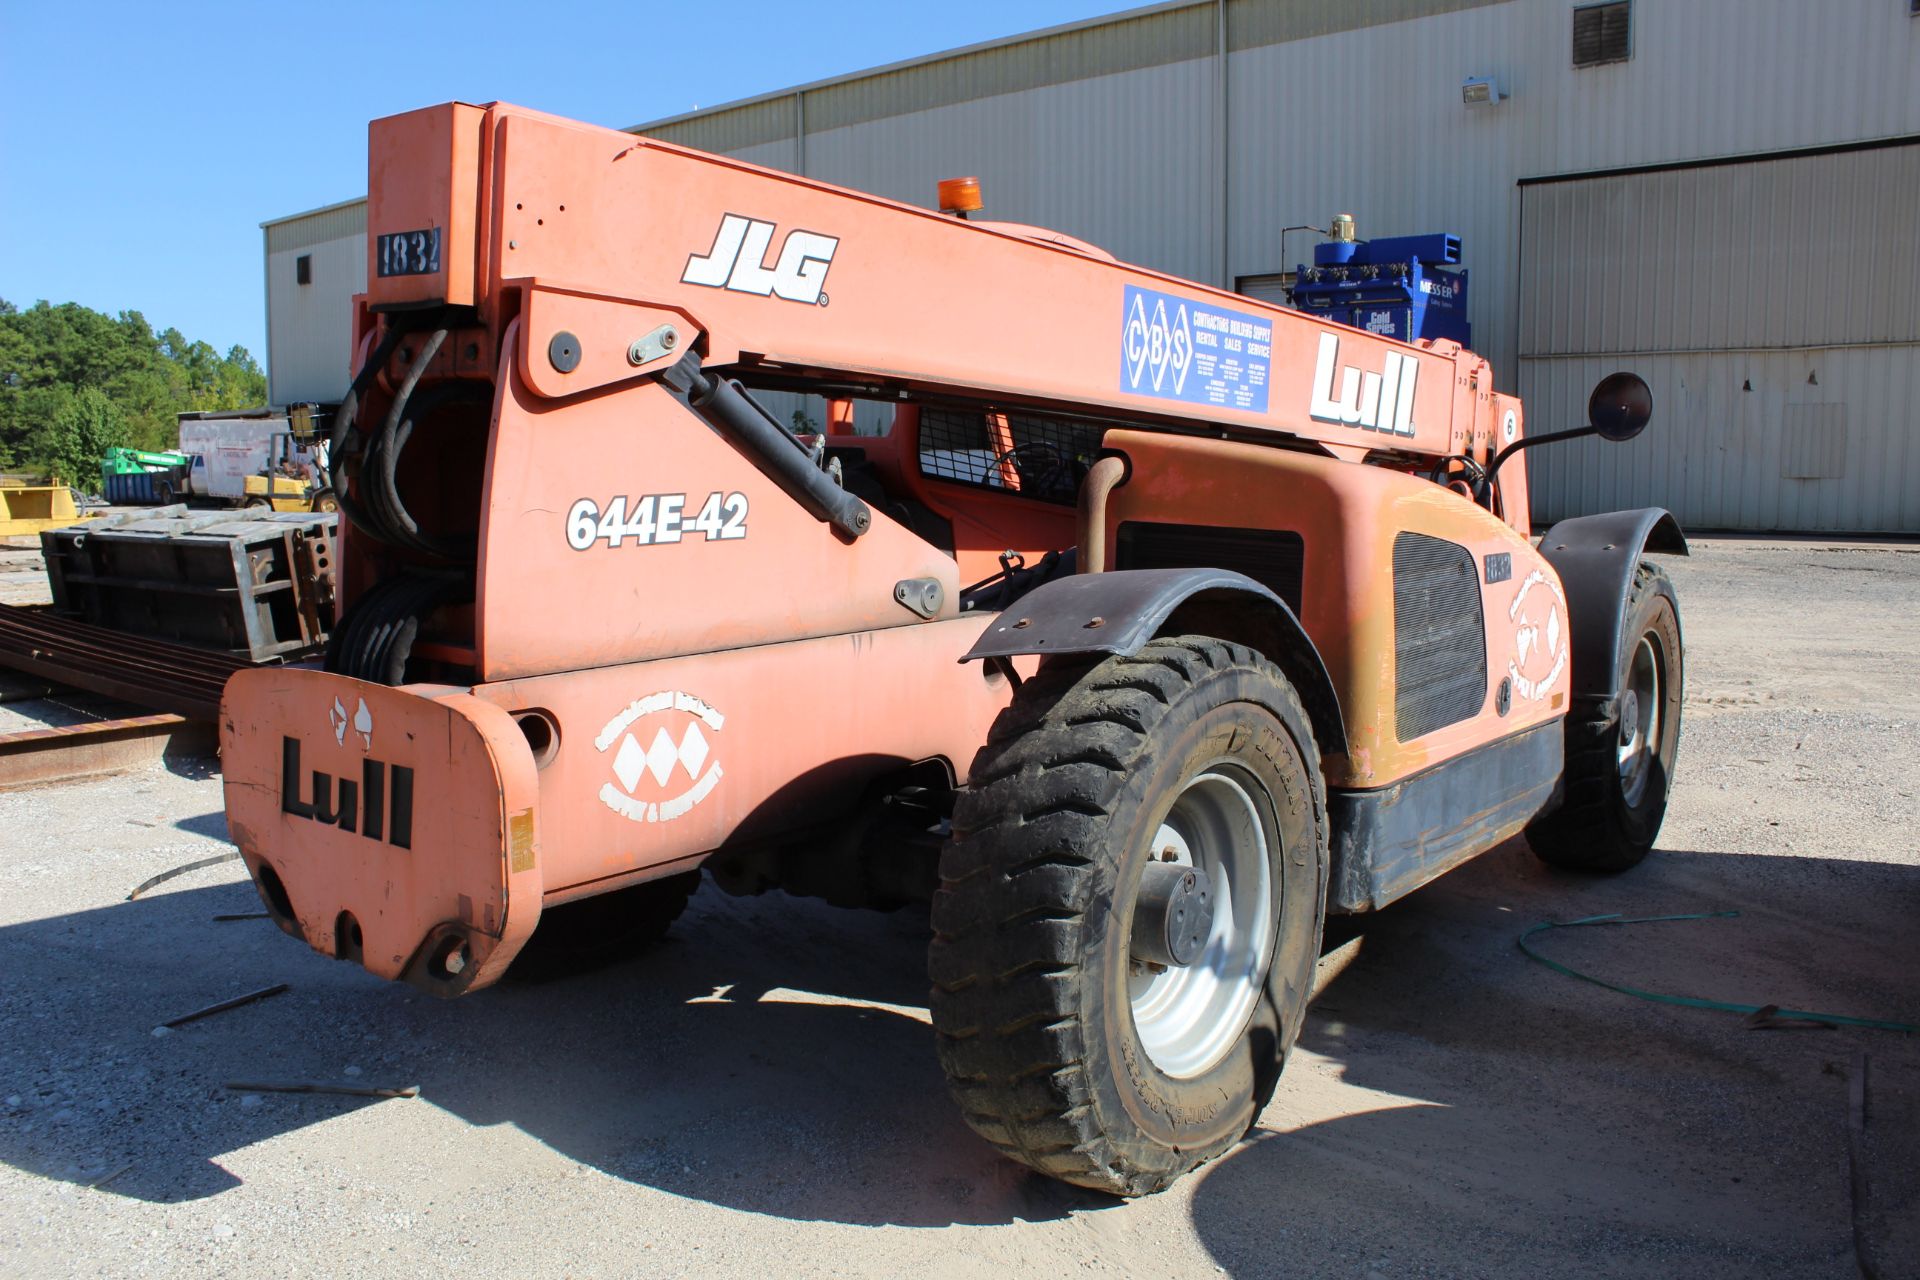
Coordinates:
[738,261]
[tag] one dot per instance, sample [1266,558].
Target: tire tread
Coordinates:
[1017,885]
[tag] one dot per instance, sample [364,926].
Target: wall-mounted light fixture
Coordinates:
[1482,91]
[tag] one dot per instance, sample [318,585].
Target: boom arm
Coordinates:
[555,317]
[512,212]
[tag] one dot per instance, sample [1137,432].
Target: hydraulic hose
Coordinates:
[383,496]
[375,639]
[346,422]
[401,528]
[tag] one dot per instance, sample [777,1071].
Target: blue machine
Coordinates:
[1393,287]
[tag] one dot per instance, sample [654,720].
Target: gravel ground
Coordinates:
[759,1096]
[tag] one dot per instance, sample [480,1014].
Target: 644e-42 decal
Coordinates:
[655,518]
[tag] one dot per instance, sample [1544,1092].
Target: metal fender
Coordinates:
[1120,610]
[1595,557]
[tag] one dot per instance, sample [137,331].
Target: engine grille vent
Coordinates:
[1274,558]
[1037,456]
[1439,640]
[1602,33]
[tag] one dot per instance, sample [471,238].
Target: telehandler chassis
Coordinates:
[1151,625]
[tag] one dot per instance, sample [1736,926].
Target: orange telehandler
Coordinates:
[1159,623]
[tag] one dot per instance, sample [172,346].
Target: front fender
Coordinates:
[1119,611]
[1595,557]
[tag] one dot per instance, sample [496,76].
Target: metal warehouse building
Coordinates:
[1721,195]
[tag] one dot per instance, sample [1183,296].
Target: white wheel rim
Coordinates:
[1189,1017]
[1638,743]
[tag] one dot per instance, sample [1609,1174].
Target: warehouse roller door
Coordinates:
[1773,304]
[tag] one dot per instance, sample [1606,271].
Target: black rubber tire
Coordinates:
[1594,828]
[258,504]
[593,933]
[325,500]
[1029,968]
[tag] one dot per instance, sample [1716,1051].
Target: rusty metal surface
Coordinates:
[37,756]
[248,582]
[155,673]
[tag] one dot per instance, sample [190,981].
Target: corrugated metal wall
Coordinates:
[1152,198]
[1742,440]
[309,327]
[1119,131]
[1773,306]
[336,222]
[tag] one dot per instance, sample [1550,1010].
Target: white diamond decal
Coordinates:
[645,743]
[660,757]
[693,750]
[629,763]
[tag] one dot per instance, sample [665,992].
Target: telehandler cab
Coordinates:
[1158,623]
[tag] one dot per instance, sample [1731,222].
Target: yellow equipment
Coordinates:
[288,483]
[29,508]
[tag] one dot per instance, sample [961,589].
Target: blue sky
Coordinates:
[142,144]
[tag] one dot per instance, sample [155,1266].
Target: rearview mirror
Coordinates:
[1620,407]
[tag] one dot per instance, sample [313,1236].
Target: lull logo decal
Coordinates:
[377,805]
[1371,401]
[660,777]
[738,261]
[1539,637]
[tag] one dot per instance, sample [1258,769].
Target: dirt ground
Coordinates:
[759,1095]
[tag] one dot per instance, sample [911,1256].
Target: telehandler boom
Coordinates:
[1155,624]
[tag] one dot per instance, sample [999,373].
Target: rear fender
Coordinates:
[390,827]
[1595,557]
[1119,611]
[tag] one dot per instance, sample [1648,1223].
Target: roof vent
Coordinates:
[1603,33]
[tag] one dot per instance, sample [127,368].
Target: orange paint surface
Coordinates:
[718,665]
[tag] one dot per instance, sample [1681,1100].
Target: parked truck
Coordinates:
[253,459]
[1161,624]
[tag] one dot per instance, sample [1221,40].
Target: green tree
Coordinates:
[77,435]
[50,354]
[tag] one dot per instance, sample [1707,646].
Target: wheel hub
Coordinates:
[1202,922]
[1174,915]
[1638,741]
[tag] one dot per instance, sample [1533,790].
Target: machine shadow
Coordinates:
[771,1056]
[1457,1108]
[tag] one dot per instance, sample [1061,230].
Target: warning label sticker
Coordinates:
[1174,348]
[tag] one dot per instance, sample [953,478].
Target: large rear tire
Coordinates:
[1619,766]
[1067,1045]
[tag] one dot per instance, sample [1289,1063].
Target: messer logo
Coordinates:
[738,261]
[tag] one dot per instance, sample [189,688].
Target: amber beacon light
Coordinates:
[960,196]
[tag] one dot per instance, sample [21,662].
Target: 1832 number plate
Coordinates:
[408,253]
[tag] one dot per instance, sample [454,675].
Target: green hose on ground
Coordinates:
[1690,1002]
